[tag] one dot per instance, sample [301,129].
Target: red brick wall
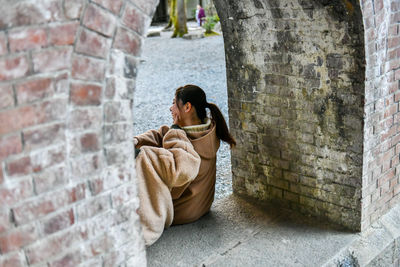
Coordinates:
[67,187]
[381,187]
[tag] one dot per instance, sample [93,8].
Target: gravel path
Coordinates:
[169,63]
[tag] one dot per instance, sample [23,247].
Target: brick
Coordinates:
[55,245]
[30,13]
[20,166]
[96,186]
[93,207]
[93,44]
[147,6]
[21,117]
[46,204]
[393,42]
[34,90]
[18,238]
[63,34]
[43,136]
[387,177]
[27,39]
[396,189]
[10,145]
[122,65]
[83,119]
[113,6]
[118,133]
[16,259]
[73,8]
[99,20]
[102,244]
[75,258]
[89,142]
[50,179]
[127,42]
[397,97]
[36,162]
[47,158]
[5,221]
[52,59]
[61,84]
[115,111]
[6,96]
[85,94]
[135,19]
[3,44]
[123,195]
[13,68]
[86,165]
[87,68]
[59,222]
[12,193]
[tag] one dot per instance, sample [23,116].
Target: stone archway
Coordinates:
[67,73]
[296,75]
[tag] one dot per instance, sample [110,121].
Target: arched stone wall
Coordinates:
[296,97]
[312,135]
[67,182]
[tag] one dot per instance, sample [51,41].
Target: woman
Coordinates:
[176,166]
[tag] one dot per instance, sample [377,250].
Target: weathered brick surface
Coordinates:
[135,20]
[33,90]
[93,44]
[20,40]
[295,92]
[113,6]
[127,41]
[6,96]
[63,34]
[99,20]
[10,145]
[52,59]
[85,94]
[87,68]
[57,180]
[13,67]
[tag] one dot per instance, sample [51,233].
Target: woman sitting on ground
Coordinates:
[176,166]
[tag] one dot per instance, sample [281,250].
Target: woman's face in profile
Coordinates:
[175,112]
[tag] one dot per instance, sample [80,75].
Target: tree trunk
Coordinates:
[171,8]
[180,27]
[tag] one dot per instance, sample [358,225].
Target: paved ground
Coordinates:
[169,63]
[239,233]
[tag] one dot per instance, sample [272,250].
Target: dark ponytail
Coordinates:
[196,96]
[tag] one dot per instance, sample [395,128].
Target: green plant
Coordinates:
[209,23]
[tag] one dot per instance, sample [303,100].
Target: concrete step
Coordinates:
[239,233]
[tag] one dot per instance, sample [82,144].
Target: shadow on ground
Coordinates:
[238,233]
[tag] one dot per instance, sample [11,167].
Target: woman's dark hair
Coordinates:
[196,96]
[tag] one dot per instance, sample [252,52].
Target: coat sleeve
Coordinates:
[151,137]
[176,162]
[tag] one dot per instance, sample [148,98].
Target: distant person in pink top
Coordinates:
[200,14]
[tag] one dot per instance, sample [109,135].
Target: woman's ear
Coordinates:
[188,107]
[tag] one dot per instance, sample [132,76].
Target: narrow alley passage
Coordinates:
[168,63]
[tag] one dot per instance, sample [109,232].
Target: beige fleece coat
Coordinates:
[166,160]
[188,191]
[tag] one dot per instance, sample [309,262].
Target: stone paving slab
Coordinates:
[237,233]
